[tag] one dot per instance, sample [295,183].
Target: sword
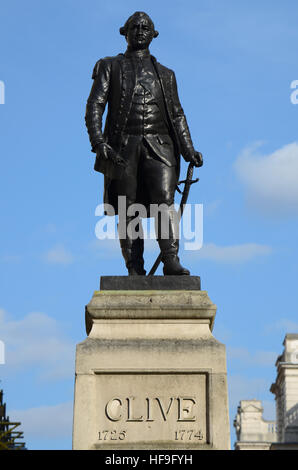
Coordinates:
[187,184]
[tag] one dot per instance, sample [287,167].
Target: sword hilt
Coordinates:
[189,182]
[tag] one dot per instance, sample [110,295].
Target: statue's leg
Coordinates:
[132,248]
[161,183]
[167,234]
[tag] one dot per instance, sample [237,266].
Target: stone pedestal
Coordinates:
[150,374]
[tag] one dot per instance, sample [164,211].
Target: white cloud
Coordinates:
[36,341]
[243,388]
[58,255]
[222,333]
[50,228]
[270,180]
[11,259]
[45,422]
[246,358]
[211,207]
[284,326]
[233,253]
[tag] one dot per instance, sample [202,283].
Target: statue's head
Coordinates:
[139,30]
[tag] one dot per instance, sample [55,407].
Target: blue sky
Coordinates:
[234,63]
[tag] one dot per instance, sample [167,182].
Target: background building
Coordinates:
[252,431]
[285,390]
[255,433]
[9,435]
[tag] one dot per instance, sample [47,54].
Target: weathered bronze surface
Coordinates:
[145,133]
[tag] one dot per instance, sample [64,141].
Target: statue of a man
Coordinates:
[145,133]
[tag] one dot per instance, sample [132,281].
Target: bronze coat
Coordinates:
[114,84]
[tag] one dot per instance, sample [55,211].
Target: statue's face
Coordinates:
[140,33]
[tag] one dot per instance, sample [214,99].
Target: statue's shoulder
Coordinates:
[162,68]
[105,63]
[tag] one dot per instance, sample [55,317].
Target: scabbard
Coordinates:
[187,185]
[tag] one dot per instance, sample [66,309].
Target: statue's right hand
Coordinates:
[102,151]
[106,152]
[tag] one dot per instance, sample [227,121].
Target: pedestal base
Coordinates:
[150,375]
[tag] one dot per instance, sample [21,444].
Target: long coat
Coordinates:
[114,84]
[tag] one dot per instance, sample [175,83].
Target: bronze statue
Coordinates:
[145,133]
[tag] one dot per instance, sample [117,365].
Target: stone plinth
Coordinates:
[150,374]
[150,283]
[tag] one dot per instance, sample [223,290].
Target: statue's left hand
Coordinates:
[196,159]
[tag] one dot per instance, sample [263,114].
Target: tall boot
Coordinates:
[133,251]
[169,246]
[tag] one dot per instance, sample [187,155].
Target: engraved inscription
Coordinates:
[151,408]
[111,435]
[181,408]
[188,435]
